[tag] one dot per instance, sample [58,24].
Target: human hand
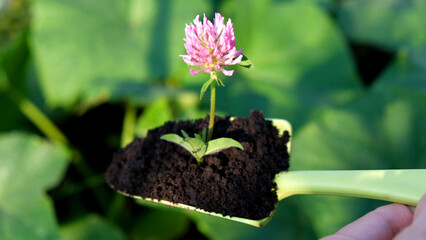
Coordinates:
[394,221]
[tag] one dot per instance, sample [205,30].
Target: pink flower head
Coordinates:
[211,46]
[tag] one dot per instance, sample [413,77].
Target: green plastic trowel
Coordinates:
[400,186]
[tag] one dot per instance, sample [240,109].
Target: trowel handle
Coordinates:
[400,186]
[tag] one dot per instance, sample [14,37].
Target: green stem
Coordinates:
[212,108]
[129,120]
[38,118]
[401,186]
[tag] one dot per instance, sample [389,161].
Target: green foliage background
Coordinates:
[79,79]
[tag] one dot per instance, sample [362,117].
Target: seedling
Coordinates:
[210,46]
[198,146]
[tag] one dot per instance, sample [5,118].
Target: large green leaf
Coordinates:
[153,116]
[89,228]
[78,42]
[159,224]
[4,83]
[29,166]
[13,59]
[384,130]
[406,73]
[338,140]
[300,64]
[286,223]
[389,23]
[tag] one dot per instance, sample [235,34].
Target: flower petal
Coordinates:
[227,72]
[210,45]
[193,73]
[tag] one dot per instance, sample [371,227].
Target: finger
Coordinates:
[417,230]
[383,223]
[421,208]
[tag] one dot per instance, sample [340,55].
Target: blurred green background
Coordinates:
[81,78]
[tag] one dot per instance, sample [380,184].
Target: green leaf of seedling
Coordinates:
[196,147]
[205,86]
[185,135]
[220,144]
[245,62]
[199,137]
[178,140]
[173,138]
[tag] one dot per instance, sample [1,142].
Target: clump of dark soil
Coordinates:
[232,182]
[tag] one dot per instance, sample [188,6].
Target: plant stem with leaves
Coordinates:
[210,46]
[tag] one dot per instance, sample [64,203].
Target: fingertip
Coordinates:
[417,230]
[421,208]
[398,215]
